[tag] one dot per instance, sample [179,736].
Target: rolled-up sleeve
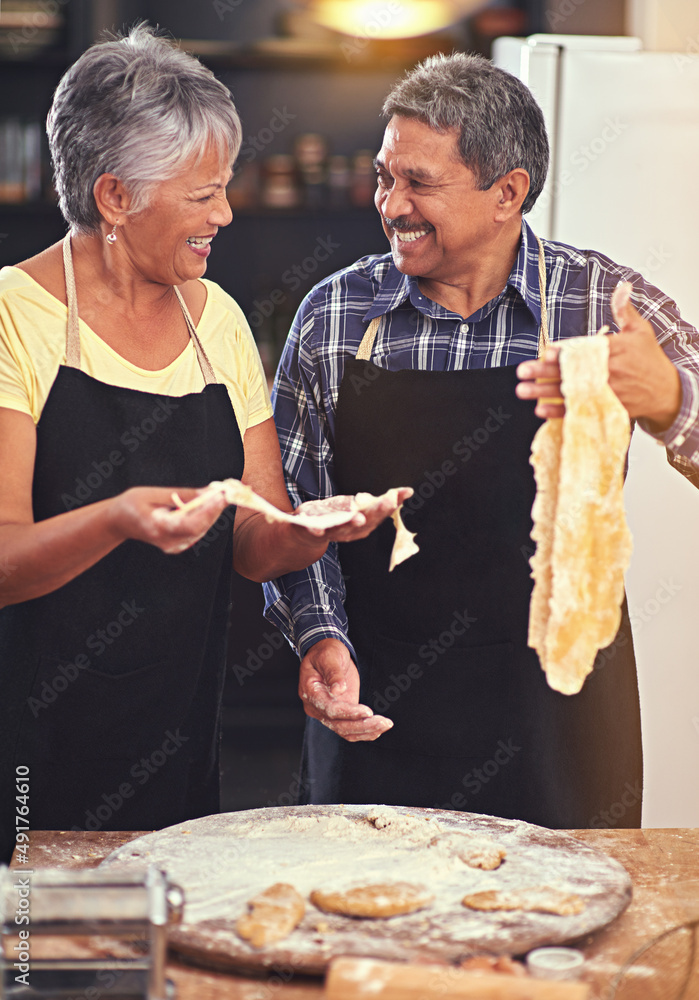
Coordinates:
[680,342]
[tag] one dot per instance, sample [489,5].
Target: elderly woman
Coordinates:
[123,376]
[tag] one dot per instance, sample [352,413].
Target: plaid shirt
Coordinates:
[420,334]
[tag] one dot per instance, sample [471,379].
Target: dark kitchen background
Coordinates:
[309,98]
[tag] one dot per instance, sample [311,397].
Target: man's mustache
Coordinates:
[404,223]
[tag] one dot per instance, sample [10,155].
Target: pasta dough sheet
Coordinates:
[583,544]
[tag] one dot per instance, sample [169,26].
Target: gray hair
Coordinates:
[139,108]
[500,125]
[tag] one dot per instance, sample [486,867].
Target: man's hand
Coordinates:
[362,524]
[329,690]
[641,375]
[541,380]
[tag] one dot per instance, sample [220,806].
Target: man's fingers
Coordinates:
[549,410]
[622,310]
[354,732]
[334,708]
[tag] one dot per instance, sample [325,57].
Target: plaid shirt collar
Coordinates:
[396,288]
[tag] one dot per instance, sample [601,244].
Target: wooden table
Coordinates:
[663,865]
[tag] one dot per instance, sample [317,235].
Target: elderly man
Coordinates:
[402,370]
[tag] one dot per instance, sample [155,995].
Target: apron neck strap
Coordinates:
[73,329]
[367,344]
[544,328]
[204,363]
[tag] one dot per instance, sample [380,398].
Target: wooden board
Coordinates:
[222,861]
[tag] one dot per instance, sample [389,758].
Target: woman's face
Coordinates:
[169,241]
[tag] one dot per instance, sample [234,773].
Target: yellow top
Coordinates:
[33,346]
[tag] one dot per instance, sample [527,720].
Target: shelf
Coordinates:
[28,208]
[302,213]
[45,59]
[349,55]
[50,208]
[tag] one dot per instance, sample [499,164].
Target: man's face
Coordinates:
[432,213]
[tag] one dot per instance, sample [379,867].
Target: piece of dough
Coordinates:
[381,900]
[328,513]
[538,899]
[274,913]
[404,545]
[474,850]
[583,542]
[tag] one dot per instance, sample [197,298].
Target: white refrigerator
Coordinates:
[624,179]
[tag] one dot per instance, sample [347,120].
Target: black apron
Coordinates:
[441,641]
[111,685]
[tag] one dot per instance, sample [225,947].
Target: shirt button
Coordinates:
[680,440]
[464,327]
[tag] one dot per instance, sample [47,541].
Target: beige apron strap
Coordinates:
[72,329]
[367,344]
[544,328]
[204,363]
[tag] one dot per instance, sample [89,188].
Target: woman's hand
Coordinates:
[147,514]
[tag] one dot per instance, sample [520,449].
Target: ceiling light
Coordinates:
[389,18]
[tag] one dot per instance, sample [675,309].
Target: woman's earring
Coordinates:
[112,237]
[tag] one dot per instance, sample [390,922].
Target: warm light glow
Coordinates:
[387,18]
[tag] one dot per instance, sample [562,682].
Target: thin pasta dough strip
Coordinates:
[583,541]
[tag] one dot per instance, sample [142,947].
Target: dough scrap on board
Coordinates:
[380,900]
[475,850]
[537,899]
[583,544]
[274,913]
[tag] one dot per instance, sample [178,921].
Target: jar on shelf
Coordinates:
[339,181]
[363,179]
[311,151]
[243,190]
[280,187]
